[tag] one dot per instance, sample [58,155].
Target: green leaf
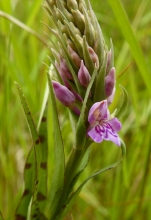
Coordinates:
[74,195]
[42,130]
[131,39]
[59,164]
[123,103]
[33,169]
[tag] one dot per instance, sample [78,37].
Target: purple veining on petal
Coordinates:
[101,127]
[115,124]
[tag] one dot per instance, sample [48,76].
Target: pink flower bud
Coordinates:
[62,75]
[64,69]
[83,75]
[64,95]
[94,57]
[110,82]
[111,97]
[75,57]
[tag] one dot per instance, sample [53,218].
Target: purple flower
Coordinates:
[102,126]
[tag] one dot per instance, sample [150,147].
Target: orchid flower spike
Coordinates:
[102,126]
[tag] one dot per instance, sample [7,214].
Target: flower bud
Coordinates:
[108,62]
[64,95]
[94,57]
[75,57]
[79,20]
[111,97]
[83,75]
[110,82]
[64,68]
[72,4]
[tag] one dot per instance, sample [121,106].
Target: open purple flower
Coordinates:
[102,126]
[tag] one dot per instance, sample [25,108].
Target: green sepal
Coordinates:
[75,194]
[59,162]
[99,93]
[88,28]
[67,14]
[79,19]
[99,40]
[88,61]
[80,128]
[123,103]
[74,38]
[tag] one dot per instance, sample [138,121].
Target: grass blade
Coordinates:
[131,39]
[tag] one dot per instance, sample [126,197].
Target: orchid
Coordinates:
[102,126]
[82,78]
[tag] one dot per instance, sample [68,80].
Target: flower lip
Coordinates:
[101,126]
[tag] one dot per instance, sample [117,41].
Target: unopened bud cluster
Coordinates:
[80,49]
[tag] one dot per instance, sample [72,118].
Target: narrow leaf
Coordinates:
[58,175]
[35,156]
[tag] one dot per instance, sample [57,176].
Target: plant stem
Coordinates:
[70,172]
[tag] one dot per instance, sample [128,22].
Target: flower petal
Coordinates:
[104,131]
[97,137]
[115,124]
[98,111]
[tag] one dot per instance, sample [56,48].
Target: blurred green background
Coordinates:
[123,193]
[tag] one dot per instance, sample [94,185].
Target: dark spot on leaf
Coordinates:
[36,182]
[28,113]
[44,119]
[43,165]
[42,138]
[28,165]
[26,191]
[20,217]
[37,141]
[40,196]
[35,215]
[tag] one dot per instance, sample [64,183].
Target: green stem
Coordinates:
[70,171]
